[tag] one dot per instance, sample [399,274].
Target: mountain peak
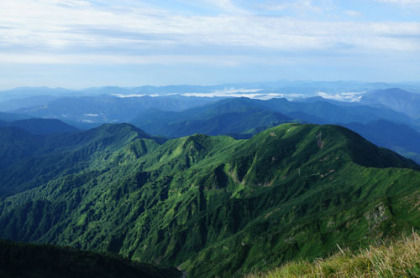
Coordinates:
[333,138]
[43,126]
[119,129]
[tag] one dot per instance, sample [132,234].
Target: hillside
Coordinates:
[60,155]
[212,205]
[391,259]
[17,144]
[28,260]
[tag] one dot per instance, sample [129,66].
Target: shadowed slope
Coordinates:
[27,260]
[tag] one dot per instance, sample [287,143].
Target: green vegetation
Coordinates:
[28,260]
[395,259]
[213,206]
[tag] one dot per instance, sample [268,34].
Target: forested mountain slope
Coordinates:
[210,205]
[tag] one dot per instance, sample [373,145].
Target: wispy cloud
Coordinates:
[225,33]
[299,6]
[79,27]
[249,93]
[345,96]
[353,13]
[97,59]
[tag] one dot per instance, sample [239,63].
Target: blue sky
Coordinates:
[81,43]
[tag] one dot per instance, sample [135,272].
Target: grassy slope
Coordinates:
[28,260]
[218,206]
[390,259]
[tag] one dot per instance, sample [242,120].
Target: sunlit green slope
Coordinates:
[215,205]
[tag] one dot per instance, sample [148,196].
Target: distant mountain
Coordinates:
[28,260]
[95,106]
[18,103]
[152,90]
[41,126]
[85,112]
[23,92]
[237,117]
[283,87]
[249,116]
[238,125]
[396,99]
[398,137]
[213,206]
[8,117]
[335,113]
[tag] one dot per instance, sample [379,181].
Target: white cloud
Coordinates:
[34,58]
[345,96]
[248,93]
[128,96]
[136,95]
[353,13]
[58,31]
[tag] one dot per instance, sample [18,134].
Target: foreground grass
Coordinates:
[397,259]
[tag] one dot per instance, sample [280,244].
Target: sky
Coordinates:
[85,43]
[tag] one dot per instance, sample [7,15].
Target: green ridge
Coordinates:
[215,206]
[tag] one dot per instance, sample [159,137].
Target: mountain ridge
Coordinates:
[220,206]
[41,126]
[396,99]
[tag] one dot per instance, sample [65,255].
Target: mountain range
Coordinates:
[211,205]
[90,111]
[175,115]
[214,185]
[40,126]
[396,99]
